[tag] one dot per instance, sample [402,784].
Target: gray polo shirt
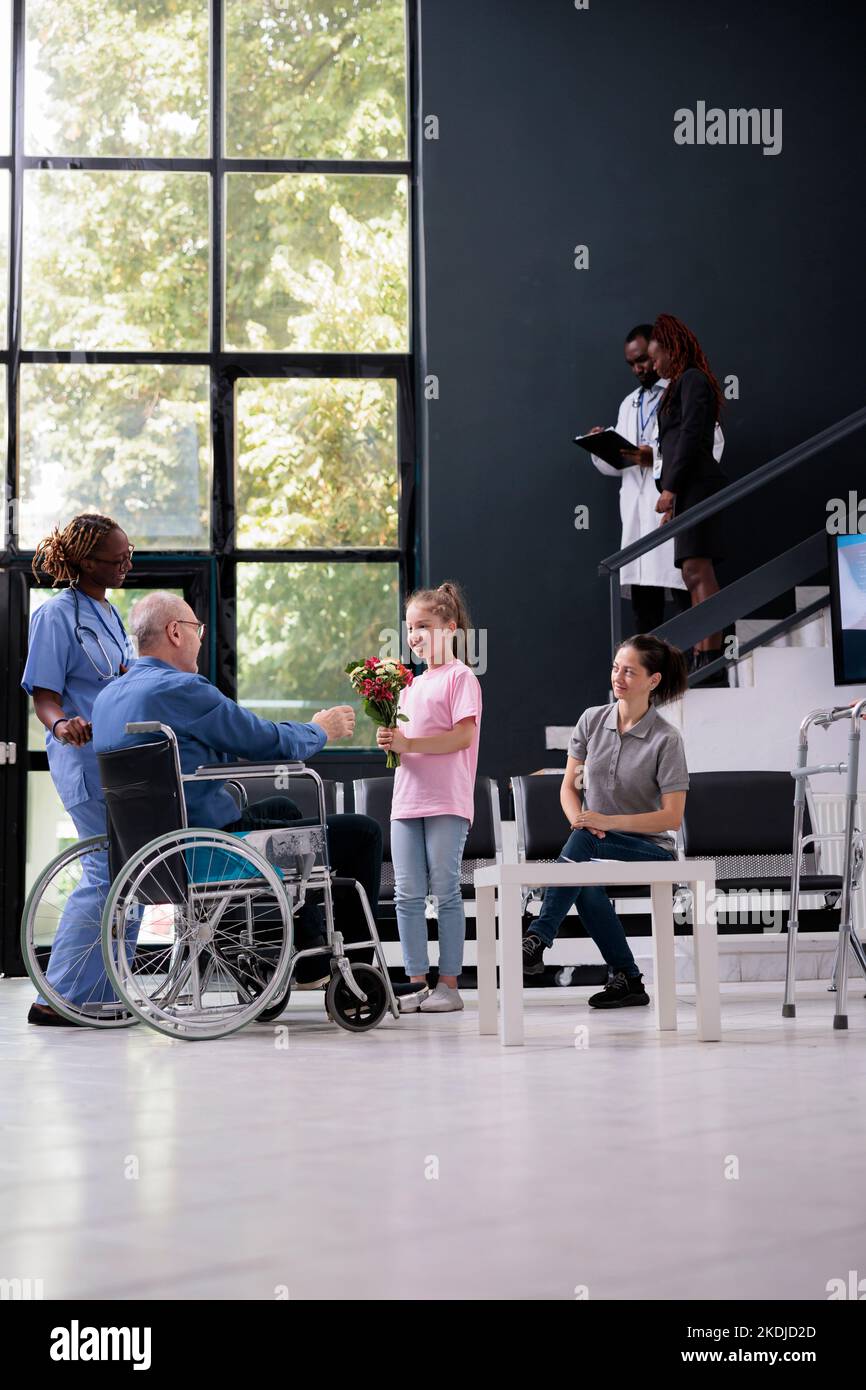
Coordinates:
[626,774]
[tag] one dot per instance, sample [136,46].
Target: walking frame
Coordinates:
[852,864]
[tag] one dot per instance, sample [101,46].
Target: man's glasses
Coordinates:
[188,622]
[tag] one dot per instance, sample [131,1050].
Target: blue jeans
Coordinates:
[426,852]
[593,905]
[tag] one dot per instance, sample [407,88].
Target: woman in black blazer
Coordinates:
[688,414]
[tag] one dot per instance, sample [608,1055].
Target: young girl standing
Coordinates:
[434,793]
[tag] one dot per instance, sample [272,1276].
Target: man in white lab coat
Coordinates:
[645,580]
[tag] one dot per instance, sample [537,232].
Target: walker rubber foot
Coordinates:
[840,1021]
[789,1010]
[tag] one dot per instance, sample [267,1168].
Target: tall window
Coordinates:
[205,307]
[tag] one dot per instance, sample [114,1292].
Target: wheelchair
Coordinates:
[191,930]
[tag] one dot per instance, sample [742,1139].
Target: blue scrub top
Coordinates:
[57,660]
[210,728]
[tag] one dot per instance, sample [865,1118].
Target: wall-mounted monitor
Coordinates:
[848,608]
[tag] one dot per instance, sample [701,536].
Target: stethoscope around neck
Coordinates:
[81,630]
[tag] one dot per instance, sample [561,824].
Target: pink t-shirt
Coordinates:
[438,784]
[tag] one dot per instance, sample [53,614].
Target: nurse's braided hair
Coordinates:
[658,656]
[448,603]
[59,555]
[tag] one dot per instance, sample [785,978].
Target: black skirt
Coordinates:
[704,541]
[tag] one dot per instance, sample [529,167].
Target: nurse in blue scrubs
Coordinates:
[78,645]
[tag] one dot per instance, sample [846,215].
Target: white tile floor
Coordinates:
[307,1169]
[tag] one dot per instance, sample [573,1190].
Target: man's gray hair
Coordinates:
[151,615]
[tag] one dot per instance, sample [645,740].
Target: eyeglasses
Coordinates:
[124,559]
[188,622]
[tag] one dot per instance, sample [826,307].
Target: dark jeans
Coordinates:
[354,850]
[594,907]
[648,605]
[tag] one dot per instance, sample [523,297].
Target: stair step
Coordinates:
[757,726]
[814,632]
[804,594]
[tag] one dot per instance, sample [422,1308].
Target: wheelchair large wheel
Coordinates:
[199,929]
[67,888]
[354,1014]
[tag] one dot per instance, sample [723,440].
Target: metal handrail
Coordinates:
[767,473]
[733,492]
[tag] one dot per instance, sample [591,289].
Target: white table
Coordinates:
[661,875]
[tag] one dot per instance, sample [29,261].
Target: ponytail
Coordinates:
[59,555]
[658,657]
[448,602]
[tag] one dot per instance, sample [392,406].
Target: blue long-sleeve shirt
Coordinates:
[210,728]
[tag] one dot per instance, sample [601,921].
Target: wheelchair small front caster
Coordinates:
[345,1008]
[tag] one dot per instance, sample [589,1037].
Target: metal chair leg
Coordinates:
[789,1008]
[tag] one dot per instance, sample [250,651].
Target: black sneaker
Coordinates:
[620,992]
[533,951]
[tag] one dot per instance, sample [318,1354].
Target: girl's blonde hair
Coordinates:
[448,602]
[59,555]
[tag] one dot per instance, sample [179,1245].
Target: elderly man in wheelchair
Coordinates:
[213,908]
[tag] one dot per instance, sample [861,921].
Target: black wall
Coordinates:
[556,128]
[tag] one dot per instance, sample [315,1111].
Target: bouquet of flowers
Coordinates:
[380,682]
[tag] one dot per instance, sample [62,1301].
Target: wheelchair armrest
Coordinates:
[243,799]
[239,770]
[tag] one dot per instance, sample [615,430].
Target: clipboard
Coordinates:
[606,445]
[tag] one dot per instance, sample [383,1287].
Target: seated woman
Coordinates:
[623,794]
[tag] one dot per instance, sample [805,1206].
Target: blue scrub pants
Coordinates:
[75,968]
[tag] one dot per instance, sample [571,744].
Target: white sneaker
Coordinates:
[444,999]
[411,1003]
